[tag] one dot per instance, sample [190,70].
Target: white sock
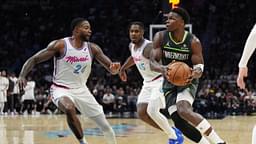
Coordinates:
[213,137]
[254,135]
[153,111]
[203,126]
[106,128]
[203,141]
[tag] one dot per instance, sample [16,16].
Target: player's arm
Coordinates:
[249,48]
[51,50]
[129,62]
[197,58]
[156,54]
[112,67]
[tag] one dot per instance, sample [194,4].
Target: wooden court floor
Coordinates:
[52,129]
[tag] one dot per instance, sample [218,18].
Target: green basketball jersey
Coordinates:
[178,51]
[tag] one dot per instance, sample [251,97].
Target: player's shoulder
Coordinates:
[162,32]
[58,43]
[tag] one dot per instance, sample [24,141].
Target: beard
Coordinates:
[84,38]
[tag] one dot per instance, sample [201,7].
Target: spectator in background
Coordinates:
[4,84]
[108,101]
[28,98]
[15,97]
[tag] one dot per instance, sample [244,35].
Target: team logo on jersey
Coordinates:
[74,59]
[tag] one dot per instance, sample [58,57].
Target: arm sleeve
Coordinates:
[249,48]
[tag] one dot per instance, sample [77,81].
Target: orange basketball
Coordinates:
[178,72]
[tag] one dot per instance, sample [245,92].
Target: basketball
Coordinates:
[178,72]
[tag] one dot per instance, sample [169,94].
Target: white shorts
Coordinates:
[152,91]
[83,99]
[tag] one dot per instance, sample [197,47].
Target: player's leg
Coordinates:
[88,106]
[108,132]
[143,115]
[187,129]
[142,105]
[67,106]
[62,98]
[184,108]
[153,111]
[254,135]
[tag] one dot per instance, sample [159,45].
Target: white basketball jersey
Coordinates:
[142,63]
[74,67]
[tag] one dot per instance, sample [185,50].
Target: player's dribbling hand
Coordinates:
[122,75]
[22,82]
[114,67]
[243,72]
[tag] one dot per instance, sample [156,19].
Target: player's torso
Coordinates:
[178,51]
[73,68]
[143,63]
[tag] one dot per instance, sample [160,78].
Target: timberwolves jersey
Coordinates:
[142,63]
[73,68]
[178,51]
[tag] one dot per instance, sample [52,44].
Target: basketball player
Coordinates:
[150,99]
[249,48]
[176,44]
[72,65]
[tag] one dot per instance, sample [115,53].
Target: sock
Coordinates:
[203,141]
[213,137]
[153,111]
[254,135]
[83,141]
[203,126]
[108,132]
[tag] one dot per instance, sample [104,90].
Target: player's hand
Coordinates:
[22,82]
[191,76]
[243,72]
[114,67]
[122,75]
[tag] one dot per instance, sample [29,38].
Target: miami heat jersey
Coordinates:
[73,68]
[142,63]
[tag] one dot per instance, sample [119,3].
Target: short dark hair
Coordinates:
[183,13]
[75,22]
[137,23]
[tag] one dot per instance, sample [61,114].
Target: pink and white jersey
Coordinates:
[73,68]
[142,63]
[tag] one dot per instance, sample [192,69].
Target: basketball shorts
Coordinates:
[187,94]
[82,98]
[151,91]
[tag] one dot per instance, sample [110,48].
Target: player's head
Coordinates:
[81,28]
[177,18]
[136,31]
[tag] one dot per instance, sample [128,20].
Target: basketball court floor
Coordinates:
[52,129]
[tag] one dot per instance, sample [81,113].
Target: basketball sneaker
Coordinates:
[179,139]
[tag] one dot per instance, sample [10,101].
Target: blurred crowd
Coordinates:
[27,27]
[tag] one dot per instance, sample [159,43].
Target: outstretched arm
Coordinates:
[128,63]
[249,48]
[112,67]
[52,49]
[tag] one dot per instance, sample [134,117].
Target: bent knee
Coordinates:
[184,112]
